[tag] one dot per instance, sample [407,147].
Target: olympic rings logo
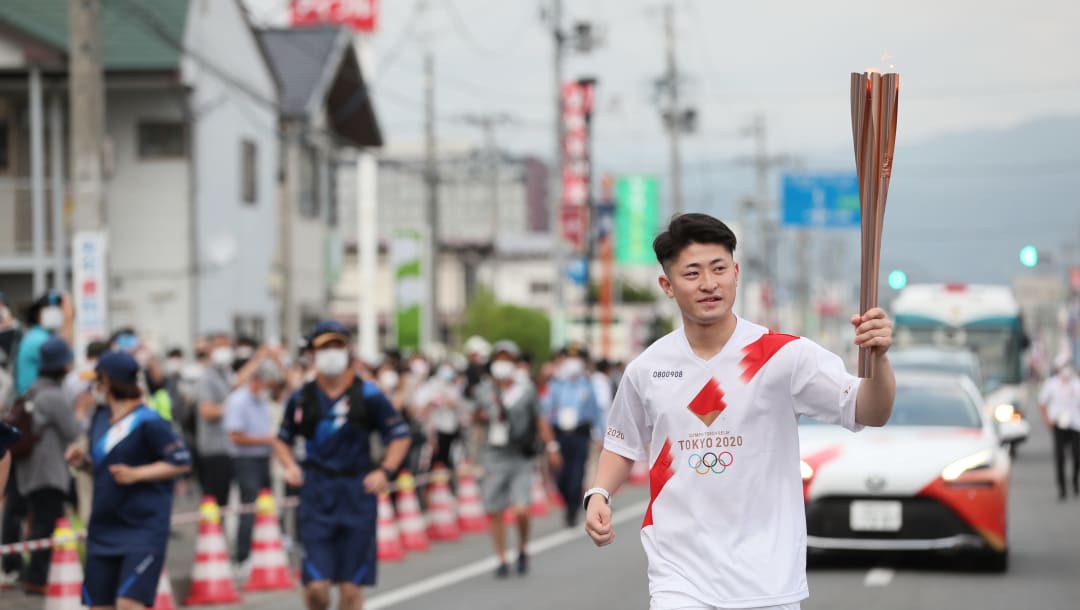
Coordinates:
[711,462]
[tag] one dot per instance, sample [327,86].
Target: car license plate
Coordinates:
[875,516]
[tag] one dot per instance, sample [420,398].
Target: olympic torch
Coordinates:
[874,99]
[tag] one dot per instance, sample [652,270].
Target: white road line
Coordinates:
[487,566]
[878,577]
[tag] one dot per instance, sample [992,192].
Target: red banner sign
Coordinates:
[360,15]
[577,109]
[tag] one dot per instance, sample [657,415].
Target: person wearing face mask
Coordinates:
[134,456]
[510,413]
[339,479]
[437,403]
[211,441]
[43,476]
[1059,403]
[251,442]
[49,315]
[571,407]
[415,379]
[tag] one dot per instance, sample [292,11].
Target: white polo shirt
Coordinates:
[1061,396]
[727,524]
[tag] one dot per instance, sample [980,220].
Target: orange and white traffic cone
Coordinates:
[442,514]
[211,578]
[269,565]
[388,538]
[539,505]
[413,530]
[164,599]
[639,473]
[64,589]
[471,515]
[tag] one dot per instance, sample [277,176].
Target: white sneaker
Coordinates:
[9,580]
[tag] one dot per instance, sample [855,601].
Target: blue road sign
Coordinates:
[829,200]
[578,270]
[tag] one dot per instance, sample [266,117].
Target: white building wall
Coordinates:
[236,241]
[148,203]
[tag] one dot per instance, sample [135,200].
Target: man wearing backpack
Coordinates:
[339,482]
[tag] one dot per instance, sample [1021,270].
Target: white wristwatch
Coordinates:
[595,491]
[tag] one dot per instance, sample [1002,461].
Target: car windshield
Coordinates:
[938,362]
[937,404]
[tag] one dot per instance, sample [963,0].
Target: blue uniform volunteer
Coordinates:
[336,516]
[129,524]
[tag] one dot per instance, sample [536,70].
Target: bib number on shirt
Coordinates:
[567,419]
[499,434]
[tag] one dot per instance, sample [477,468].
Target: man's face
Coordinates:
[702,281]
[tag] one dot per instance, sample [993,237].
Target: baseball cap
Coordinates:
[52,297]
[329,330]
[506,346]
[55,354]
[120,367]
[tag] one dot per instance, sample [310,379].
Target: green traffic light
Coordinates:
[897,279]
[1029,256]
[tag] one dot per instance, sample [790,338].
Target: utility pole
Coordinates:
[87,109]
[558,247]
[671,113]
[429,321]
[86,103]
[763,163]
[487,124]
[581,39]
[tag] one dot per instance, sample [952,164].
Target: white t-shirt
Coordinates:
[727,524]
[1062,399]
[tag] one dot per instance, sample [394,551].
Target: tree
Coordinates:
[529,328]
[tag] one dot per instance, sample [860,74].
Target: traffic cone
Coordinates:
[211,578]
[164,599]
[388,538]
[442,518]
[413,532]
[269,565]
[639,473]
[539,505]
[471,515]
[64,589]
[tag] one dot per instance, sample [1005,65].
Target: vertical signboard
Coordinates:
[406,252]
[88,253]
[359,15]
[637,217]
[577,110]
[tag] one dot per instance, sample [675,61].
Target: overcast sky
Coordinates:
[963,64]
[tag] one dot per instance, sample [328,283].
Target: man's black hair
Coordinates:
[687,229]
[96,348]
[175,352]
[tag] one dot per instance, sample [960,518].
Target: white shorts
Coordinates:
[680,601]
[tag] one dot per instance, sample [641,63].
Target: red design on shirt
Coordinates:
[815,461]
[709,402]
[660,473]
[758,353]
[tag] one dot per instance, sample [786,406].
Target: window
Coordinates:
[537,288]
[249,164]
[161,140]
[310,180]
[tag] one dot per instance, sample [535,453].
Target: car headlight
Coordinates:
[807,470]
[975,461]
[1005,413]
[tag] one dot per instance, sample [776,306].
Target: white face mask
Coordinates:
[331,362]
[503,369]
[447,373]
[572,367]
[52,318]
[143,359]
[222,356]
[100,397]
[244,353]
[388,380]
[173,366]
[420,368]
[523,374]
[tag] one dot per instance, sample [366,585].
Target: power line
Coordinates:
[463,31]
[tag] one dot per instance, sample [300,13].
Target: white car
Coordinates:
[934,479]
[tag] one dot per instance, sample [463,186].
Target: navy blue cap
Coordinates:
[329,330]
[55,354]
[118,366]
[52,297]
